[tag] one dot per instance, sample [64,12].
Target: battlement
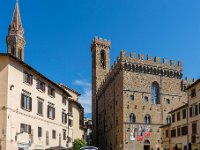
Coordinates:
[102,43]
[139,64]
[149,61]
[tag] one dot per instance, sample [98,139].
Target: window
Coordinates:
[193,93]
[13,51]
[20,54]
[146,99]
[199,108]
[39,132]
[47,138]
[51,91]
[64,118]
[193,110]
[184,130]
[132,97]
[167,101]
[173,117]
[26,102]
[132,118]
[167,133]
[53,134]
[155,93]
[178,116]
[64,134]
[39,107]
[25,128]
[147,119]
[173,133]
[178,131]
[28,78]
[184,113]
[40,85]
[168,120]
[103,59]
[51,112]
[70,122]
[194,128]
[64,99]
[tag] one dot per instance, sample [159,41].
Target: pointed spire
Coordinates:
[15,38]
[16,20]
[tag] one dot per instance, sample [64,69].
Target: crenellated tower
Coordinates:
[15,38]
[100,68]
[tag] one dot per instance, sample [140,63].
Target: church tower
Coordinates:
[100,68]
[15,38]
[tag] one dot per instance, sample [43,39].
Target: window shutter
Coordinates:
[190,111]
[37,84]
[49,91]
[30,103]
[22,100]
[48,111]
[196,110]
[62,117]
[199,108]
[65,118]
[53,113]
[29,129]
[31,78]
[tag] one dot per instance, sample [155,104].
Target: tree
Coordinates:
[78,143]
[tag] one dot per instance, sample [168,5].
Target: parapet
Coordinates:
[156,61]
[104,43]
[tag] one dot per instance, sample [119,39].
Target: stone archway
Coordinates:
[185,147]
[146,145]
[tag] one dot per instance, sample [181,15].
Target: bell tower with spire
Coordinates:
[15,38]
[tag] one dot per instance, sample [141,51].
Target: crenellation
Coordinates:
[180,64]
[100,42]
[132,55]
[123,55]
[149,58]
[165,61]
[172,62]
[157,59]
[141,57]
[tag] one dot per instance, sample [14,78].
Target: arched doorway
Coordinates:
[146,145]
[185,147]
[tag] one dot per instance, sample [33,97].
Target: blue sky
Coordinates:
[58,34]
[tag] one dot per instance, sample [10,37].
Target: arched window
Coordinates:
[155,93]
[168,120]
[20,54]
[147,119]
[103,59]
[13,51]
[132,118]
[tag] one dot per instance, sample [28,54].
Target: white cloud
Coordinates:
[85,98]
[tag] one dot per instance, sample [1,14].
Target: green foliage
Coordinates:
[78,143]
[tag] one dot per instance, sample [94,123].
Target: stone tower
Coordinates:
[15,38]
[100,68]
[131,100]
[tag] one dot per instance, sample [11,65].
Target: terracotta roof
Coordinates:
[68,88]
